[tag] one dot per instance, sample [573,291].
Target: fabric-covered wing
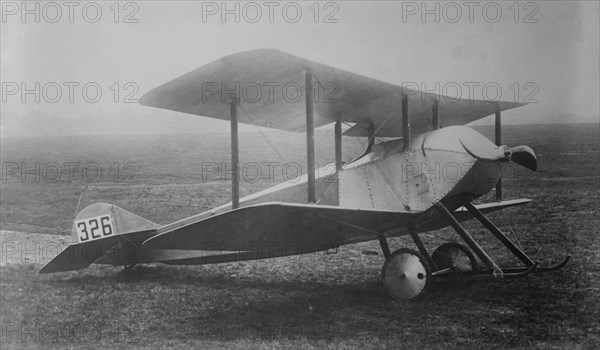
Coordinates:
[280,229]
[420,109]
[270,86]
[276,229]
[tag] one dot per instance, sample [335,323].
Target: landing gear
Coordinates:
[406,274]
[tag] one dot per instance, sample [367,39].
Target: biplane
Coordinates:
[395,188]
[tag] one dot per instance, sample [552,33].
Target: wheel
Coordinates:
[454,256]
[406,274]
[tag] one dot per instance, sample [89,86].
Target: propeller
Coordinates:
[522,155]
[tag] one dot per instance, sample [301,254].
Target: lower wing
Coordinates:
[280,229]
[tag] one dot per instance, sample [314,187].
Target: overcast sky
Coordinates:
[552,45]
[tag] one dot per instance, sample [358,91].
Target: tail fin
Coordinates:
[102,220]
[98,228]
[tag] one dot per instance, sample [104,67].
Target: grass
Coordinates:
[317,300]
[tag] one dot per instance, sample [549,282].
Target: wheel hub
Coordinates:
[405,274]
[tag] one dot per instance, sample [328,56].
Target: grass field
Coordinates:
[317,300]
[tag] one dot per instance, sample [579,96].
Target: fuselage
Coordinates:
[435,166]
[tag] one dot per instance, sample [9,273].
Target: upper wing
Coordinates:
[270,87]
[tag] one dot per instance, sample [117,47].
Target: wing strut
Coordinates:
[338,145]
[435,117]
[235,157]
[405,121]
[371,140]
[310,139]
[498,129]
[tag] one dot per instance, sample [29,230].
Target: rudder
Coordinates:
[102,220]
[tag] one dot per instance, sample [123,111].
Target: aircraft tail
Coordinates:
[100,229]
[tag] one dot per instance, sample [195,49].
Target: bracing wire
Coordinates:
[246,114]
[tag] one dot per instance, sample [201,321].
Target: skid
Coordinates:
[491,268]
[507,273]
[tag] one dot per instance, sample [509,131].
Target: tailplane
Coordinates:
[102,231]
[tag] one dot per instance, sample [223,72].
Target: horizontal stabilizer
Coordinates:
[81,255]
